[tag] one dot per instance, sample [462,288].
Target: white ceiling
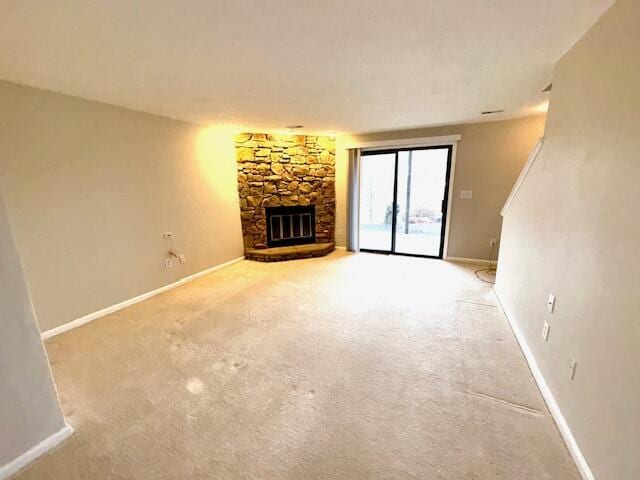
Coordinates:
[343,65]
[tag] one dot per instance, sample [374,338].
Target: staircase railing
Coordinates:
[523,174]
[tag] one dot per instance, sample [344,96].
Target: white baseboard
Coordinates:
[470,260]
[30,455]
[127,303]
[554,408]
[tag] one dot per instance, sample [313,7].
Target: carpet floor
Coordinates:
[344,367]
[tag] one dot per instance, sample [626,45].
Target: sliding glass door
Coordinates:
[376,201]
[403,200]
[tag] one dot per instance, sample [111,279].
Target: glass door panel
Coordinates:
[421,198]
[377,171]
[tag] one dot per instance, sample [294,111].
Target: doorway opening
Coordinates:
[404,200]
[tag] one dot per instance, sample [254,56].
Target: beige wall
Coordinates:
[29,410]
[574,230]
[90,189]
[488,161]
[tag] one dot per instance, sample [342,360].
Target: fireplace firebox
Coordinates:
[294,225]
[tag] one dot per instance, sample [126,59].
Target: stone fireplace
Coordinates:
[286,185]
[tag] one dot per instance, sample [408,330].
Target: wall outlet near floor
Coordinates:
[551,302]
[168,263]
[182,258]
[572,369]
[545,331]
[493,242]
[466,194]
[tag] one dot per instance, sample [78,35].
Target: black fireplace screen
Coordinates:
[291,225]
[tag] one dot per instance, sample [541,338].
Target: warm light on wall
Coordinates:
[217,158]
[542,107]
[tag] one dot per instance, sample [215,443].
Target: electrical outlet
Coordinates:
[168,263]
[493,242]
[167,235]
[545,331]
[551,302]
[182,258]
[572,369]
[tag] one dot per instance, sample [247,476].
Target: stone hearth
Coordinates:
[278,254]
[285,170]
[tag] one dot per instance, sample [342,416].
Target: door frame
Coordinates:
[446,211]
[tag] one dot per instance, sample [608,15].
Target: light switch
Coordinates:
[466,194]
[572,369]
[551,303]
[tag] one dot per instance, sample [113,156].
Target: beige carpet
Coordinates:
[345,367]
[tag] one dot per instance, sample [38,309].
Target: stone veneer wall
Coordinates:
[287,170]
